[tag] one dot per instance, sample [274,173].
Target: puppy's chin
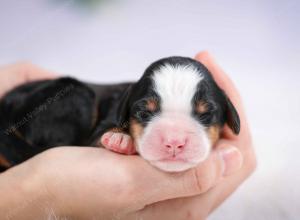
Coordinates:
[173,166]
[178,165]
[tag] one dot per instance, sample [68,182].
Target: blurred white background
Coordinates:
[256,42]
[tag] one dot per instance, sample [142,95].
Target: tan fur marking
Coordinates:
[151,104]
[213,134]
[201,107]
[136,130]
[116,130]
[4,162]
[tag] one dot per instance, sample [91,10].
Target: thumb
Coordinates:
[155,185]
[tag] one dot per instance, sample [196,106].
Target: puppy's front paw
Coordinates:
[118,142]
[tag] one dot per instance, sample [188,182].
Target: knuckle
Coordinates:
[202,181]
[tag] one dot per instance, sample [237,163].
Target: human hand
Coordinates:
[92,183]
[19,73]
[87,183]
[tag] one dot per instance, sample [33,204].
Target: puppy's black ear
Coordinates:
[123,110]
[233,119]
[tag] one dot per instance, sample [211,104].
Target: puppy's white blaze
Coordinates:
[176,86]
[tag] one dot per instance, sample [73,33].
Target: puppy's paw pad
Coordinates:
[118,142]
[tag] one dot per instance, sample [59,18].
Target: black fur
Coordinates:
[65,112]
[45,114]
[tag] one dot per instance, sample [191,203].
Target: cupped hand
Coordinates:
[92,183]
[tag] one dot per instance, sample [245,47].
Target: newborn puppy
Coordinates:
[172,116]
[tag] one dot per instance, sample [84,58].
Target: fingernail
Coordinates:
[232,160]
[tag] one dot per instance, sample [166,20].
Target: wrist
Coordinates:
[24,194]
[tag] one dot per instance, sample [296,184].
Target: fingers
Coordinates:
[228,86]
[249,158]
[158,186]
[19,73]
[219,75]
[31,72]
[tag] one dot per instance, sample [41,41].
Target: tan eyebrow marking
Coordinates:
[4,162]
[201,107]
[151,104]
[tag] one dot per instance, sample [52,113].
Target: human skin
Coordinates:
[19,73]
[93,183]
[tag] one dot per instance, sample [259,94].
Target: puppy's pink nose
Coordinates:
[175,146]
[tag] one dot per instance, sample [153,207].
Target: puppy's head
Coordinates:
[175,113]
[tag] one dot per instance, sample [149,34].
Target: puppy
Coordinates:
[172,116]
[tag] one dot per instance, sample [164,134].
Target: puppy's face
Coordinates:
[175,113]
